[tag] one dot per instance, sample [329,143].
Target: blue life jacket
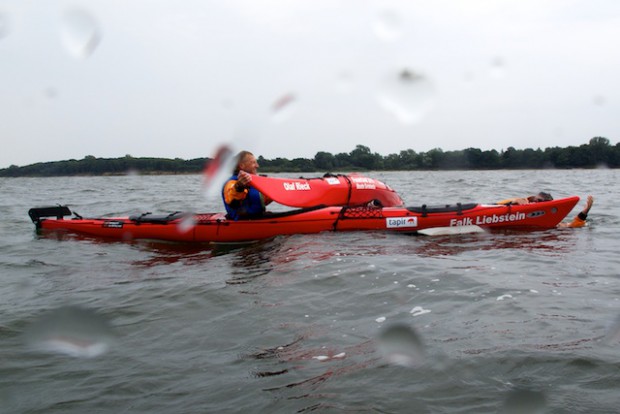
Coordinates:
[252,206]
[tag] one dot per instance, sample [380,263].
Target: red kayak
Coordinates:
[216,228]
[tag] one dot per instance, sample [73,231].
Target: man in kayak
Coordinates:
[527,200]
[578,221]
[241,200]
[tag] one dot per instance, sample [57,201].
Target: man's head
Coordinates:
[540,197]
[246,162]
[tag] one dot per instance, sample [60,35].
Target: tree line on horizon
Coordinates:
[596,153]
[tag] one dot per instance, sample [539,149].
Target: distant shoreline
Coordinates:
[598,152]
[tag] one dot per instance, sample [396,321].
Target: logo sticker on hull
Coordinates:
[113,224]
[401,222]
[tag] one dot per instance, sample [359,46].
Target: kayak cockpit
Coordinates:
[158,218]
[457,208]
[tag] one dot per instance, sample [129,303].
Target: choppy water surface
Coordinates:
[359,322]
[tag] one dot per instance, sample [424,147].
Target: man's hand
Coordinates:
[244,178]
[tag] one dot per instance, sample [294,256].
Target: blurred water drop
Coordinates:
[407,95]
[498,67]
[344,82]
[283,107]
[80,33]
[4,25]
[6,399]
[187,223]
[525,402]
[73,331]
[224,161]
[468,78]
[218,170]
[127,236]
[400,345]
[387,25]
[50,92]
[227,104]
[599,100]
[612,337]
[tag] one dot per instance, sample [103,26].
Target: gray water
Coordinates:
[357,322]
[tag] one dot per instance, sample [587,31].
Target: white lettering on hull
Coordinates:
[486,220]
[296,186]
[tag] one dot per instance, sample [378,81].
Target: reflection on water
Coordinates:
[552,241]
[301,369]
[165,253]
[253,261]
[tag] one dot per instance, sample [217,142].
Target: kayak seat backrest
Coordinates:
[447,208]
[53,211]
[157,218]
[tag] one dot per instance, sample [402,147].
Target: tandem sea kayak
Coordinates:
[217,228]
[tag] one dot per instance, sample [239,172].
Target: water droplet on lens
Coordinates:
[599,100]
[468,78]
[218,170]
[525,402]
[51,92]
[612,337]
[4,25]
[80,33]
[498,67]
[387,25]
[407,95]
[401,345]
[73,331]
[344,82]
[283,107]
[187,223]
[7,399]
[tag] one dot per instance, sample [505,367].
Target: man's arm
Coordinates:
[517,201]
[233,192]
[580,219]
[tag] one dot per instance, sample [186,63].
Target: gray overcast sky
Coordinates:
[291,78]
